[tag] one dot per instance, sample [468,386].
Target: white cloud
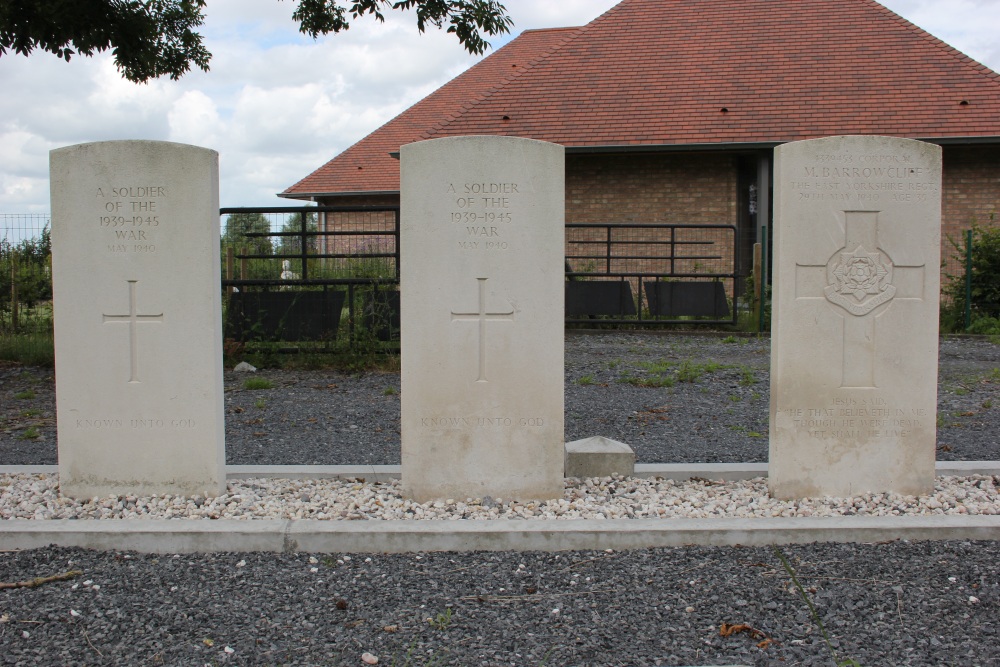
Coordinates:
[277,104]
[193,119]
[24,153]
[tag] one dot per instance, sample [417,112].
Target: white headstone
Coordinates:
[138,331]
[482,238]
[854,337]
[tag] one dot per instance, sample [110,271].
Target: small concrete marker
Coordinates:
[598,456]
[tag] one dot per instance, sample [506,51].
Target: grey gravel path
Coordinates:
[896,603]
[673,398]
[880,604]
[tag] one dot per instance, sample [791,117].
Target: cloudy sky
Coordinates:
[277,105]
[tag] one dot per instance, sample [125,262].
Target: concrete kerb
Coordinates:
[678,471]
[312,536]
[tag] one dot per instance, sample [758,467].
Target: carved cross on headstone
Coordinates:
[858,279]
[133,318]
[482,317]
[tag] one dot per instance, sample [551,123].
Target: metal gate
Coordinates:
[292,273]
[651,274]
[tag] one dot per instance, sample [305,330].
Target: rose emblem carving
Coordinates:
[860,281]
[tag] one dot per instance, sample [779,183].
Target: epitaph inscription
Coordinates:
[130,217]
[854,326]
[482,213]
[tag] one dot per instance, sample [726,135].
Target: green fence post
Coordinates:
[13,292]
[968,279]
[763,277]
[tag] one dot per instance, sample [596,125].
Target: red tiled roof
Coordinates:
[662,71]
[719,72]
[367,166]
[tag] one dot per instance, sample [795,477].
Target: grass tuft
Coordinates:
[254,384]
[30,433]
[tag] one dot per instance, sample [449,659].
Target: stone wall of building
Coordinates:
[970,193]
[676,188]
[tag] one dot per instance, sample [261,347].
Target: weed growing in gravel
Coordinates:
[658,375]
[442,621]
[257,383]
[585,380]
[30,433]
[987,404]
[735,398]
[25,395]
[746,377]
[755,396]
[658,367]
[729,339]
[848,662]
[260,404]
[389,391]
[31,413]
[690,372]
[649,380]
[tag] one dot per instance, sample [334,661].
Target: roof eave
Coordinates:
[748,146]
[663,148]
[311,196]
[949,141]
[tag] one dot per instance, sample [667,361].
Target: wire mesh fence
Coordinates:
[25,274]
[296,245]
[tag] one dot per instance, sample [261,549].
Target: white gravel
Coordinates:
[30,496]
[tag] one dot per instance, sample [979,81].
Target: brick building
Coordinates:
[670,109]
